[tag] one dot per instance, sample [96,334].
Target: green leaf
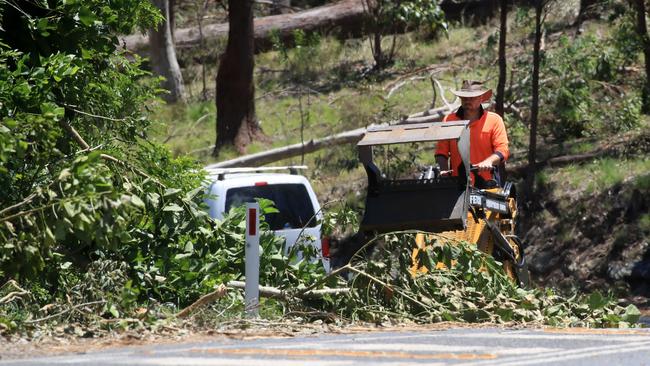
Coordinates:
[137,201]
[173,208]
[86,17]
[113,310]
[632,314]
[86,54]
[49,236]
[69,209]
[182,256]
[154,198]
[596,301]
[169,192]
[71,70]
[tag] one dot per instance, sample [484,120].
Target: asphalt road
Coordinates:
[387,348]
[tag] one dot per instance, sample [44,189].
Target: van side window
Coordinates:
[292,200]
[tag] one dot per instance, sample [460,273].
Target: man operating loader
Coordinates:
[488,138]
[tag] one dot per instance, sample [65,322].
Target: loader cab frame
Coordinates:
[435,203]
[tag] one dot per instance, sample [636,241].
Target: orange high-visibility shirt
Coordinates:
[487,136]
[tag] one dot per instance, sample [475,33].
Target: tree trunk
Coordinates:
[534,109]
[501,86]
[235,99]
[377,51]
[584,13]
[281,7]
[163,56]
[642,30]
[172,18]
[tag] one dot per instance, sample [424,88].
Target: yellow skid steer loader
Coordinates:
[446,206]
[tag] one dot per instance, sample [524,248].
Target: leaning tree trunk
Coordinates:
[163,56]
[642,30]
[236,122]
[534,109]
[501,86]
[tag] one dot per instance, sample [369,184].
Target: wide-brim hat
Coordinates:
[472,89]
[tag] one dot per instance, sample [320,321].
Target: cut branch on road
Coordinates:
[203,301]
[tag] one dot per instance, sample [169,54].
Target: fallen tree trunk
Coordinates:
[286,152]
[343,19]
[347,137]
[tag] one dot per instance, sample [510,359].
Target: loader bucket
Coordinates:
[433,205]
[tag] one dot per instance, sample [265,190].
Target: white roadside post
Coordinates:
[252,252]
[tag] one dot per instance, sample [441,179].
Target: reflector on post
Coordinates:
[252,259]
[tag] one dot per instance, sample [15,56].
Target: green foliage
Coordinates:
[417,12]
[627,116]
[339,221]
[123,201]
[569,99]
[624,36]
[412,13]
[577,98]
[86,29]
[386,16]
[471,288]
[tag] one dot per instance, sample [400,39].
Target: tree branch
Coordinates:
[204,300]
[65,311]
[72,108]
[274,292]
[73,133]
[77,137]
[12,295]
[27,200]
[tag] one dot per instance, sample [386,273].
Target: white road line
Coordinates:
[410,347]
[202,361]
[512,335]
[89,357]
[643,347]
[214,361]
[568,354]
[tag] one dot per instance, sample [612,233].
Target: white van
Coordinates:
[299,215]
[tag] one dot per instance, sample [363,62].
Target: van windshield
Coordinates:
[292,200]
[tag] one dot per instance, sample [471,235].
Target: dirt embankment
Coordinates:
[595,239]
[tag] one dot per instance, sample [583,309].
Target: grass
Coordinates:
[185,128]
[581,147]
[644,223]
[601,174]
[643,182]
